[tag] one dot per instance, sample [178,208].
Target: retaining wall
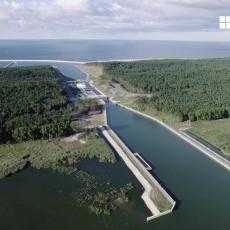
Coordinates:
[204,149]
[148,176]
[141,173]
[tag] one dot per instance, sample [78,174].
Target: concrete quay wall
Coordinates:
[209,152]
[140,172]
[204,149]
[152,207]
[141,167]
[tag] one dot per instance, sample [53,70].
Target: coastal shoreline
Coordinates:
[34,60]
[95,61]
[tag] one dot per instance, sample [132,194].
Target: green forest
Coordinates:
[33,104]
[88,105]
[190,89]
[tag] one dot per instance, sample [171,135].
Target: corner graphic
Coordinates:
[224,22]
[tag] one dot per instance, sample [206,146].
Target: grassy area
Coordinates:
[216,132]
[128,101]
[160,200]
[47,153]
[94,70]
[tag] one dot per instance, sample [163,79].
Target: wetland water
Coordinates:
[35,199]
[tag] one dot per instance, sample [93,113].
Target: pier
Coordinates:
[77,81]
[142,161]
[9,65]
[155,197]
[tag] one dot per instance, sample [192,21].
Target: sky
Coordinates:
[114,19]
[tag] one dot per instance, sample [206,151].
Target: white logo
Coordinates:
[224,22]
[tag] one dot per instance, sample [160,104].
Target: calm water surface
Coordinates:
[92,50]
[67,69]
[201,186]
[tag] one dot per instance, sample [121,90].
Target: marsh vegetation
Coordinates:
[34,127]
[62,156]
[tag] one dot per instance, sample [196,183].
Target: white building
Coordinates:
[81,86]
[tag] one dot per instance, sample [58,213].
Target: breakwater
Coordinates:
[155,197]
[142,161]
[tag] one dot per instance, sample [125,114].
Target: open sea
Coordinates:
[94,50]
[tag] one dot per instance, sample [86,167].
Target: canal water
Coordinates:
[200,185]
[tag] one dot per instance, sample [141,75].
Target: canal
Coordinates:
[201,186]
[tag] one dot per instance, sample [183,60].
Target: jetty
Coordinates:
[9,65]
[142,161]
[156,198]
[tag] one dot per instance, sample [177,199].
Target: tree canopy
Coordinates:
[89,105]
[191,89]
[33,104]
